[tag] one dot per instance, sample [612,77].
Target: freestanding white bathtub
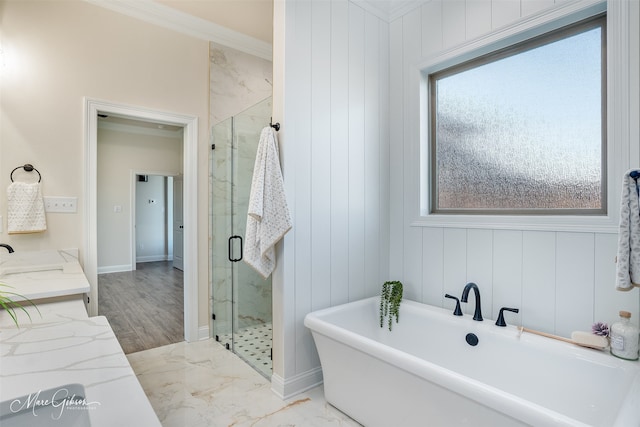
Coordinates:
[424,373]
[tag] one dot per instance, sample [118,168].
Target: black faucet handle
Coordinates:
[500,321]
[458,310]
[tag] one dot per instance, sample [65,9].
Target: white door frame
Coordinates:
[133,179]
[190,171]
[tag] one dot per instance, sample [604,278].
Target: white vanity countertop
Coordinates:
[43,356]
[47,311]
[43,274]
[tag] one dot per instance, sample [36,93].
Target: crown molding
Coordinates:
[399,9]
[374,7]
[389,10]
[164,16]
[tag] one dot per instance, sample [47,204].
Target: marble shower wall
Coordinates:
[238,81]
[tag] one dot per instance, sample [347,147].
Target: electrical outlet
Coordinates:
[61,204]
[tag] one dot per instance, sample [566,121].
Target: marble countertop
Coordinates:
[61,345]
[47,311]
[43,274]
[85,351]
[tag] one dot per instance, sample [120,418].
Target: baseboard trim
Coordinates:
[114,268]
[152,258]
[203,333]
[287,388]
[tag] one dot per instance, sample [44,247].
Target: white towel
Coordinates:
[628,260]
[25,208]
[268,218]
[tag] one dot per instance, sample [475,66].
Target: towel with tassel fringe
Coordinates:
[25,208]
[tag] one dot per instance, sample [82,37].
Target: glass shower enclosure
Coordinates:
[241,298]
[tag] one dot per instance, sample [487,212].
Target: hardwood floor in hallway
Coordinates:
[145,307]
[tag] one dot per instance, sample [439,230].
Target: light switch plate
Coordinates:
[61,204]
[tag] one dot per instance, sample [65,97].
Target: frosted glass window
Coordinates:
[522,131]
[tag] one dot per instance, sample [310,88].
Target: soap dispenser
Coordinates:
[624,337]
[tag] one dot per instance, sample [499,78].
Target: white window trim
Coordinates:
[618,117]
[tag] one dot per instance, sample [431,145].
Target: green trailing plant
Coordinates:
[390,300]
[7,303]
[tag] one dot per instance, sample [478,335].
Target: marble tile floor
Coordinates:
[203,384]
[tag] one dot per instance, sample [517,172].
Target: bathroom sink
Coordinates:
[31,261]
[63,406]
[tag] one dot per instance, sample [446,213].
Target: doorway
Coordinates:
[157,218]
[177,222]
[190,199]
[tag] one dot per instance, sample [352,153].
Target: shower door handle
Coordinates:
[231,248]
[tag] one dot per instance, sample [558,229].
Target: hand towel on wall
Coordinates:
[268,218]
[25,208]
[628,260]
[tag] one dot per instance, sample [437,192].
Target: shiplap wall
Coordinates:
[343,92]
[331,74]
[561,281]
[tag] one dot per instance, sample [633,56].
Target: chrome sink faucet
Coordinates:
[9,248]
[477,315]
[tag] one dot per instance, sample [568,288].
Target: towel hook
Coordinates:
[28,168]
[276,126]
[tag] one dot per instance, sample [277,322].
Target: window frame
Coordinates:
[417,158]
[597,21]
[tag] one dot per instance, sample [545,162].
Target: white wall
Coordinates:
[56,53]
[331,97]
[561,281]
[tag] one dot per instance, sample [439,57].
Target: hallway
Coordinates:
[145,307]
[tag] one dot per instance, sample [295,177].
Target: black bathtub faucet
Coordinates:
[500,321]
[457,311]
[9,248]
[477,315]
